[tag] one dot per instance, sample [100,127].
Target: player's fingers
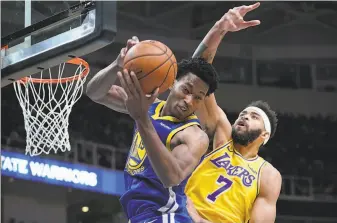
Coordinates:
[245,9]
[129,82]
[232,24]
[254,6]
[123,52]
[123,83]
[235,15]
[122,94]
[251,23]
[129,44]
[135,38]
[136,83]
[154,95]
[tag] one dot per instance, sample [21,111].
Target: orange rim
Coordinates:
[75,61]
[4,47]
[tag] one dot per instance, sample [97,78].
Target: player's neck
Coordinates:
[165,111]
[249,151]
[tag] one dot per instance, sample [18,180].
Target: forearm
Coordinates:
[209,45]
[263,219]
[101,83]
[207,50]
[162,160]
[264,214]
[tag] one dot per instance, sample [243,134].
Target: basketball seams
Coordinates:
[168,72]
[139,78]
[165,56]
[149,43]
[175,71]
[172,64]
[159,47]
[144,55]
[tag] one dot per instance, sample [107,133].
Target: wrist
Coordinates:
[221,27]
[143,121]
[118,63]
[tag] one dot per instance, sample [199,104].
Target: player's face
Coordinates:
[247,128]
[186,96]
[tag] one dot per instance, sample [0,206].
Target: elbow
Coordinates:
[173,180]
[90,92]
[172,183]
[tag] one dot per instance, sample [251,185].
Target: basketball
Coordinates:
[153,63]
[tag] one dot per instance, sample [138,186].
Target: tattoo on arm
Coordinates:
[203,51]
[200,50]
[222,33]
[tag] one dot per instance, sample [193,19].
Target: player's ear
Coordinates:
[265,135]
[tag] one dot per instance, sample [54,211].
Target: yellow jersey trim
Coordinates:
[156,115]
[170,136]
[219,148]
[259,177]
[236,152]
[249,159]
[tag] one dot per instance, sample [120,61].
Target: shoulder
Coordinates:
[269,171]
[271,181]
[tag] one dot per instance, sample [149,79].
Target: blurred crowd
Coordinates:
[302,146]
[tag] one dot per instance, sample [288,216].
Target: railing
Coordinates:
[299,188]
[86,152]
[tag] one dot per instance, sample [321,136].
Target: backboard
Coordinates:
[36,35]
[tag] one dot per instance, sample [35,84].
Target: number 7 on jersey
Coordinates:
[226,185]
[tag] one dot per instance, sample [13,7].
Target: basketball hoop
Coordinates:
[46,102]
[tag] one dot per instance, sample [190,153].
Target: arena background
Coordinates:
[289,61]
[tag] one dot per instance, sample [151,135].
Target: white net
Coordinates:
[46,106]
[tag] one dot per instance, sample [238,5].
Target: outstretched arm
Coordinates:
[212,117]
[102,88]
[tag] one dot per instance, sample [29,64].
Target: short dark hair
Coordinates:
[269,112]
[202,69]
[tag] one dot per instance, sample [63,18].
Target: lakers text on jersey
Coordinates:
[145,195]
[224,186]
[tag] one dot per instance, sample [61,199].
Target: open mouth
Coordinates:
[241,123]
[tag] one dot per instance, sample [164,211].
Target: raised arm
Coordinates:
[264,209]
[211,116]
[102,88]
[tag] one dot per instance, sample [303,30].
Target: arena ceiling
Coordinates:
[193,19]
